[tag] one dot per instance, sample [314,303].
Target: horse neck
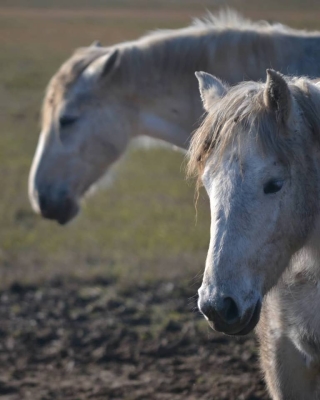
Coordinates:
[160,71]
[307,260]
[164,93]
[170,115]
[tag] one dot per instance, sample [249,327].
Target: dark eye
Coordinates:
[67,120]
[273,186]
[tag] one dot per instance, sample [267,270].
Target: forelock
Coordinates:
[227,116]
[242,112]
[67,76]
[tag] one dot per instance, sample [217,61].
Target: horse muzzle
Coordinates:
[225,315]
[61,208]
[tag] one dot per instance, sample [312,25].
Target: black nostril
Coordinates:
[230,310]
[223,309]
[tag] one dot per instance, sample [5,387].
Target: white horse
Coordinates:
[258,156]
[101,98]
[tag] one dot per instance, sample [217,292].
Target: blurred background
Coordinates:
[120,279]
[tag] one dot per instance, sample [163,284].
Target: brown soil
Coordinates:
[94,340]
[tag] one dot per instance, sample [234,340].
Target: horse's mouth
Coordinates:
[246,327]
[252,323]
[63,214]
[65,218]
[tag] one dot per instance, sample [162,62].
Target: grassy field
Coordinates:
[143,226]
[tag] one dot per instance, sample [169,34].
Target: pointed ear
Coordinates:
[211,88]
[96,43]
[104,66]
[110,63]
[277,96]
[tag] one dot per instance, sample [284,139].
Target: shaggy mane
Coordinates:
[228,18]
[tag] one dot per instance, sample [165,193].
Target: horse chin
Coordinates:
[62,214]
[66,216]
[245,328]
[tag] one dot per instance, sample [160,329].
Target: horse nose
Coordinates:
[60,208]
[228,310]
[43,203]
[47,205]
[226,314]
[225,308]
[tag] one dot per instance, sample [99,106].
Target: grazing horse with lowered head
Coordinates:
[102,98]
[257,154]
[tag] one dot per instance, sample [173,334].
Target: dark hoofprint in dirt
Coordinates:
[93,340]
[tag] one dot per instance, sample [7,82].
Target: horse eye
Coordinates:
[273,186]
[67,120]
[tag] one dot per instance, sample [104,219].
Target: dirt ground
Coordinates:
[72,339]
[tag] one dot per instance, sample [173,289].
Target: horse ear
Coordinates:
[277,96]
[210,88]
[111,63]
[106,64]
[96,43]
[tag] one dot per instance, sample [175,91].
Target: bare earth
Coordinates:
[90,340]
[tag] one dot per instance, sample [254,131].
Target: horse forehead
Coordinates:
[83,85]
[218,175]
[235,156]
[233,170]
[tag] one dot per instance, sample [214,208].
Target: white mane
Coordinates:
[228,18]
